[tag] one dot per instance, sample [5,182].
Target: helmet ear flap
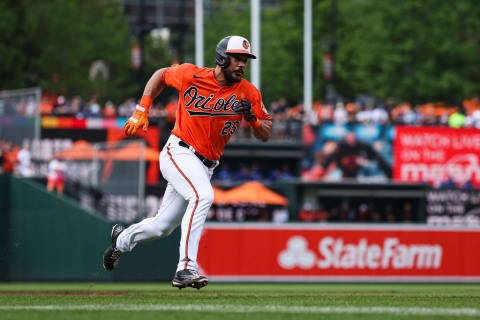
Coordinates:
[222,61]
[221,56]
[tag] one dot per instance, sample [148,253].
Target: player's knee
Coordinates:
[206,196]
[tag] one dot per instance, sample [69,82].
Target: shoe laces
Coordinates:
[194,273]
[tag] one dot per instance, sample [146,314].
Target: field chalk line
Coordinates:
[245,309]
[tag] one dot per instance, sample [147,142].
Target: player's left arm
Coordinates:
[257,116]
[262,128]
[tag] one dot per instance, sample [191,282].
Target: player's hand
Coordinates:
[139,119]
[245,108]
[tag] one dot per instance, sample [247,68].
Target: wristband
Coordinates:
[146,102]
[255,124]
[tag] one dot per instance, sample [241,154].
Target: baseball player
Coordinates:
[212,103]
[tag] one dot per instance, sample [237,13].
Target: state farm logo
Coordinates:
[334,253]
[297,254]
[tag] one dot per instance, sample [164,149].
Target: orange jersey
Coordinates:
[205,119]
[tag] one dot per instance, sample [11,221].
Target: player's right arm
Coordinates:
[155,84]
[173,77]
[139,118]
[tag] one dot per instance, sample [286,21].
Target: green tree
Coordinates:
[410,50]
[53,43]
[12,40]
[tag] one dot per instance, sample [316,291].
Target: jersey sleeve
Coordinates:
[177,74]
[258,107]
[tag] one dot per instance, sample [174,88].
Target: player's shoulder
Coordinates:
[185,67]
[191,71]
[203,72]
[248,89]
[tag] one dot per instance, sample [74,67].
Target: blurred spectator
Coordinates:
[473,119]
[244,174]
[76,105]
[56,175]
[24,162]
[109,111]
[8,156]
[93,108]
[255,172]
[340,114]
[456,119]
[126,108]
[280,215]
[171,109]
[46,105]
[156,111]
[379,115]
[223,172]
[284,173]
[307,214]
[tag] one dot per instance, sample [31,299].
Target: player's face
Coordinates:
[234,72]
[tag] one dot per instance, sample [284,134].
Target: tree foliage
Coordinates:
[406,49]
[410,50]
[53,43]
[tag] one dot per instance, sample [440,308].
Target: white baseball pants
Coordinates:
[186,201]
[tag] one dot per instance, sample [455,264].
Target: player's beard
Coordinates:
[229,76]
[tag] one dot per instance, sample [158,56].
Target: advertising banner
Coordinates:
[443,157]
[312,252]
[453,207]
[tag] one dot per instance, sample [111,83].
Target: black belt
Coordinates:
[207,162]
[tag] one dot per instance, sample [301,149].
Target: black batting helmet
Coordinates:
[232,44]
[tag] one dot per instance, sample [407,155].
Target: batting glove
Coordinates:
[245,108]
[138,119]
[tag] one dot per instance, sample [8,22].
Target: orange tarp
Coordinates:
[218,195]
[132,152]
[254,192]
[81,150]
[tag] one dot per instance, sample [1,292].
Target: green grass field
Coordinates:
[239,301]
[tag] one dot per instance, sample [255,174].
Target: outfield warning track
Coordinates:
[248,309]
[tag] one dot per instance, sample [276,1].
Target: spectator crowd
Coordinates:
[354,210]
[289,118]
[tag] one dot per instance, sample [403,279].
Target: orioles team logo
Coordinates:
[246,44]
[202,106]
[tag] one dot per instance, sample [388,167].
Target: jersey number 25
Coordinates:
[230,127]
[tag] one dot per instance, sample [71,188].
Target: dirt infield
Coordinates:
[64,293]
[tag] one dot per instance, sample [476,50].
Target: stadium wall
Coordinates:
[47,237]
[4,210]
[309,252]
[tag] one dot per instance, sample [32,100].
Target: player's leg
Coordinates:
[168,217]
[191,179]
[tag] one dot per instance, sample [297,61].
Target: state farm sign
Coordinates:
[437,155]
[334,253]
[316,252]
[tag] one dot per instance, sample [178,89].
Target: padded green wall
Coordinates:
[46,237]
[4,214]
